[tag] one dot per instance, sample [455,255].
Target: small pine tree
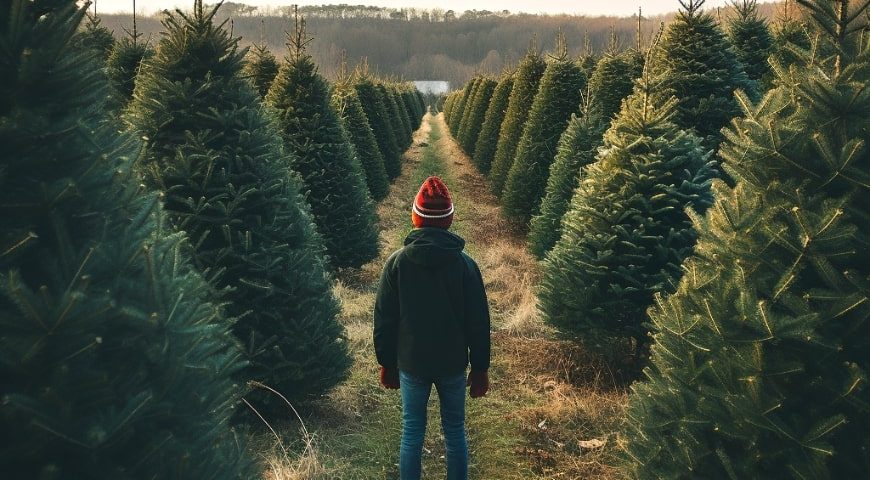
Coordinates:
[484,149]
[612,81]
[577,149]
[558,97]
[346,102]
[123,64]
[216,155]
[115,363]
[751,38]
[627,229]
[261,67]
[698,64]
[312,131]
[760,357]
[477,112]
[526,82]
[376,112]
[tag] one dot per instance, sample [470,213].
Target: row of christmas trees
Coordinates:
[741,285]
[168,237]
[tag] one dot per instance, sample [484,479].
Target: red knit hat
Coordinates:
[433,206]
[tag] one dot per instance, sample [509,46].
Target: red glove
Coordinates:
[390,378]
[479,383]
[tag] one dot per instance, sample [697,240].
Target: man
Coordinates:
[431,318]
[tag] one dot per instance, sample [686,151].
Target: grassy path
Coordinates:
[545,396]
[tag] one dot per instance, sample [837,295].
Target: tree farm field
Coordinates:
[547,395]
[667,212]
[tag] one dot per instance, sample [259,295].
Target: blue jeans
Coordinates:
[415,396]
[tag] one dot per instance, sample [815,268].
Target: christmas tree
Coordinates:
[612,81]
[791,38]
[447,108]
[376,112]
[459,111]
[760,357]
[588,59]
[700,67]
[312,131]
[558,97]
[346,102]
[484,149]
[403,111]
[577,149]
[261,67]
[123,65]
[216,156]
[751,38]
[115,362]
[412,106]
[526,82]
[394,117]
[477,112]
[627,229]
[468,110]
[95,38]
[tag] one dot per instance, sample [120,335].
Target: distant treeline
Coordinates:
[417,44]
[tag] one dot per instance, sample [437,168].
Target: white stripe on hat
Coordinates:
[418,212]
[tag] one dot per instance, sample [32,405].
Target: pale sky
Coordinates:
[584,7]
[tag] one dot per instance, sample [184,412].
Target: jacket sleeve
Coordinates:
[386,324]
[477,318]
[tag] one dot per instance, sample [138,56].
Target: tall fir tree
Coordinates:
[346,102]
[577,148]
[760,358]
[526,82]
[612,81]
[627,229]
[468,106]
[791,37]
[261,67]
[699,65]
[752,40]
[448,106]
[323,156]
[378,117]
[123,65]
[95,38]
[216,155]
[588,60]
[403,115]
[458,111]
[394,117]
[115,362]
[412,106]
[477,112]
[558,97]
[487,140]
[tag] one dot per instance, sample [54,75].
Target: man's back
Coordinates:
[432,299]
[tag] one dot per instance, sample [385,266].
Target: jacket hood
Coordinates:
[433,246]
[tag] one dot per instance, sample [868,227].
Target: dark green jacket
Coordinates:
[431,314]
